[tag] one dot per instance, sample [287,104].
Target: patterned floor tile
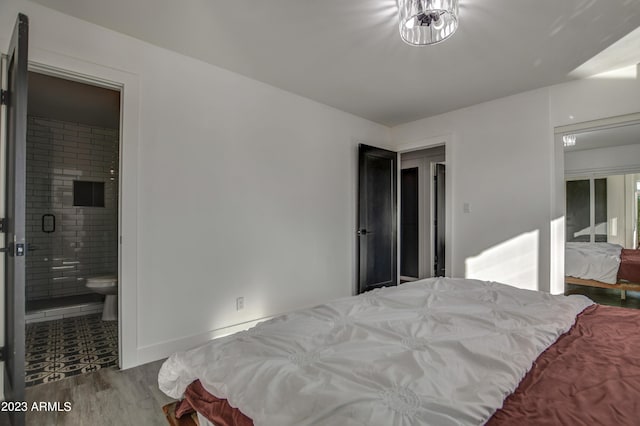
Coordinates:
[70,346]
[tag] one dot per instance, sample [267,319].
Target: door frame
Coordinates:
[58,65]
[447,142]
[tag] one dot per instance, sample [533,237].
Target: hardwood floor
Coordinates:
[606,296]
[107,397]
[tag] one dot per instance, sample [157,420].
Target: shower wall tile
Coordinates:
[85,241]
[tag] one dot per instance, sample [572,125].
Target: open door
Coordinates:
[15,99]
[439,222]
[377,223]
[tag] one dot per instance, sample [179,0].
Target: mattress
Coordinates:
[438,351]
[593,261]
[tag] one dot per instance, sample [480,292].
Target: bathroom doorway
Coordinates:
[72,223]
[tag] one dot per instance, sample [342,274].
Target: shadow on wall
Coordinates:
[513,262]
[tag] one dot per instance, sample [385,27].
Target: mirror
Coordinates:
[602,187]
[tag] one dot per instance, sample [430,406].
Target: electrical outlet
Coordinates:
[239,303]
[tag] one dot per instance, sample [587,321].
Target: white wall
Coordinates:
[243,189]
[499,169]
[507,166]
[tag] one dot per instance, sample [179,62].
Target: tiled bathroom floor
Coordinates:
[70,346]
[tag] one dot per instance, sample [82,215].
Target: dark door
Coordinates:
[409,226]
[377,226]
[16,137]
[440,222]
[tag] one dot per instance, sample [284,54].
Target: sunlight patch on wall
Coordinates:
[513,262]
[626,73]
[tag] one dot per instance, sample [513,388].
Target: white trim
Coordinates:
[602,172]
[157,351]
[424,143]
[405,278]
[603,123]
[60,65]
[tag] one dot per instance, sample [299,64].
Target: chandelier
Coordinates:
[569,140]
[425,22]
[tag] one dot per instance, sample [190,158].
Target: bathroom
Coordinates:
[72,215]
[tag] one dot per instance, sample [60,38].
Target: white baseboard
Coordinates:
[162,350]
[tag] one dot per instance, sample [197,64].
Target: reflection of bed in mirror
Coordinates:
[602,265]
[602,187]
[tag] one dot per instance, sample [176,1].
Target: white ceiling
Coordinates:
[605,138]
[67,100]
[348,54]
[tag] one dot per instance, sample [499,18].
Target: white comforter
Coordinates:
[593,261]
[433,352]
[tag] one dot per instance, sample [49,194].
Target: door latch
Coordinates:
[19,249]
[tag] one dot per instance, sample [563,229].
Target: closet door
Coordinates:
[586,218]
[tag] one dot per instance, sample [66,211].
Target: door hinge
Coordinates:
[4,97]
[3,225]
[2,357]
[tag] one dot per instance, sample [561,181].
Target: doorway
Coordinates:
[421,221]
[72,223]
[380,223]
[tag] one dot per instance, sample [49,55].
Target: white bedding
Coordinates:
[593,261]
[433,352]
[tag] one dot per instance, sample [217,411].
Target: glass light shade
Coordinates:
[425,22]
[569,140]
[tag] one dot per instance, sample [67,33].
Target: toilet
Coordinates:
[107,285]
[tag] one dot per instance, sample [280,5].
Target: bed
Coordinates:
[602,265]
[434,352]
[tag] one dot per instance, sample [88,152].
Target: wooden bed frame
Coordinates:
[623,286]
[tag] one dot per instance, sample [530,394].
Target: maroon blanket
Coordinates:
[629,266]
[214,409]
[590,376]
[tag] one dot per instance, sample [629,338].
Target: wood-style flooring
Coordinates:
[107,397]
[605,296]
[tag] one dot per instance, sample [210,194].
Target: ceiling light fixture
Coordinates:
[425,22]
[569,140]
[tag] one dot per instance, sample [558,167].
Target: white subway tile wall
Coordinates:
[85,240]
